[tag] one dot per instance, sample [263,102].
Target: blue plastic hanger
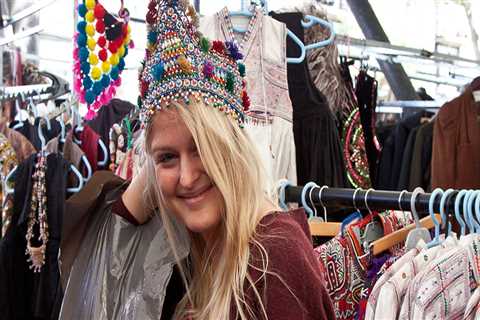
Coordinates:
[436,239]
[284,183]
[419,233]
[477,206]
[471,201]
[460,221]
[311,21]
[466,216]
[304,201]
[443,212]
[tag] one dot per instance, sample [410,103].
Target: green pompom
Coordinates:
[241,69]
[229,84]
[205,44]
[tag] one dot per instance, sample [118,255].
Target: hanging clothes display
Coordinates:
[8,160]
[25,294]
[31,131]
[456,144]
[420,169]
[263,49]
[318,152]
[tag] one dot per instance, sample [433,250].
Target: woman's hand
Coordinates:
[134,200]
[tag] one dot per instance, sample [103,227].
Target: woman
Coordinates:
[247,260]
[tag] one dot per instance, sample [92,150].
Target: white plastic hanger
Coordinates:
[419,233]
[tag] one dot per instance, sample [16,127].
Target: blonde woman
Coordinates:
[247,260]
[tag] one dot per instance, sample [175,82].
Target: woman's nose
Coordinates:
[190,171]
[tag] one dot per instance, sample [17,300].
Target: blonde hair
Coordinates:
[219,273]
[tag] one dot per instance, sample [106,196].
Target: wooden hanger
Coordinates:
[397,237]
[324,229]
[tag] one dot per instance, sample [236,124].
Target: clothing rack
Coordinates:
[376,199]
[58,87]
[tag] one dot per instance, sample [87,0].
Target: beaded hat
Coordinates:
[181,64]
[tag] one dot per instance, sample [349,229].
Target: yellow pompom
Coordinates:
[129,29]
[114,59]
[90,4]
[96,73]
[93,59]
[91,43]
[89,16]
[126,41]
[121,51]
[184,64]
[105,67]
[90,30]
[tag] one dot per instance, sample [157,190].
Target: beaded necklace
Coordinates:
[38,216]
[229,27]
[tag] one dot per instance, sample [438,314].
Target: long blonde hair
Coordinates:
[219,272]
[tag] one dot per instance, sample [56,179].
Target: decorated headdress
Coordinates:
[181,64]
[101,44]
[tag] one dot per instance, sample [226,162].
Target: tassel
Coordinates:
[218,47]
[204,44]
[184,64]
[241,69]
[208,69]
[230,83]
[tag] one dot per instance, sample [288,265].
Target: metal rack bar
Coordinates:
[376,200]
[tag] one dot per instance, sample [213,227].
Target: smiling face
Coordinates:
[188,191]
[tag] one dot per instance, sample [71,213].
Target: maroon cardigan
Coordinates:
[298,295]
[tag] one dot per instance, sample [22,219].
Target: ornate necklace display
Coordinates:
[38,216]
[101,45]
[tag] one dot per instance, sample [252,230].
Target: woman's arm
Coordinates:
[134,200]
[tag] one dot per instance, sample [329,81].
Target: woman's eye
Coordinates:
[165,158]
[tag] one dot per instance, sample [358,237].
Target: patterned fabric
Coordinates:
[346,265]
[472,311]
[389,273]
[442,288]
[8,160]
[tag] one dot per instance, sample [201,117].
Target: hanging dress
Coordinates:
[318,152]
[270,115]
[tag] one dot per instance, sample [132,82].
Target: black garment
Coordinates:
[109,114]
[420,169]
[31,131]
[404,177]
[317,142]
[391,158]
[366,92]
[24,294]
[175,292]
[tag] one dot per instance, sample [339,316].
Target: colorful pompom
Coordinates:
[233,50]
[241,69]
[91,43]
[152,36]
[208,69]
[114,74]
[82,10]
[158,70]
[90,30]
[230,82]
[105,67]
[85,68]
[205,44]
[100,26]
[87,83]
[218,47]
[184,64]
[97,88]
[112,47]
[93,59]
[105,81]
[121,64]
[96,73]
[90,4]
[121,51]
[99,11]
[81,27]
[89,16]
[102,41]
[83,54]
[102,54]
[81,40]
[114,59]
[89,97]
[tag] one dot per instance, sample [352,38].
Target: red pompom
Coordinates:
[102,54]
[245,101]
[100,26]
[102,41]
[112,47]
[118,42]
[143,88]
[151,17]
[124,29]
[218,46]
[152,5]
[99,11]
